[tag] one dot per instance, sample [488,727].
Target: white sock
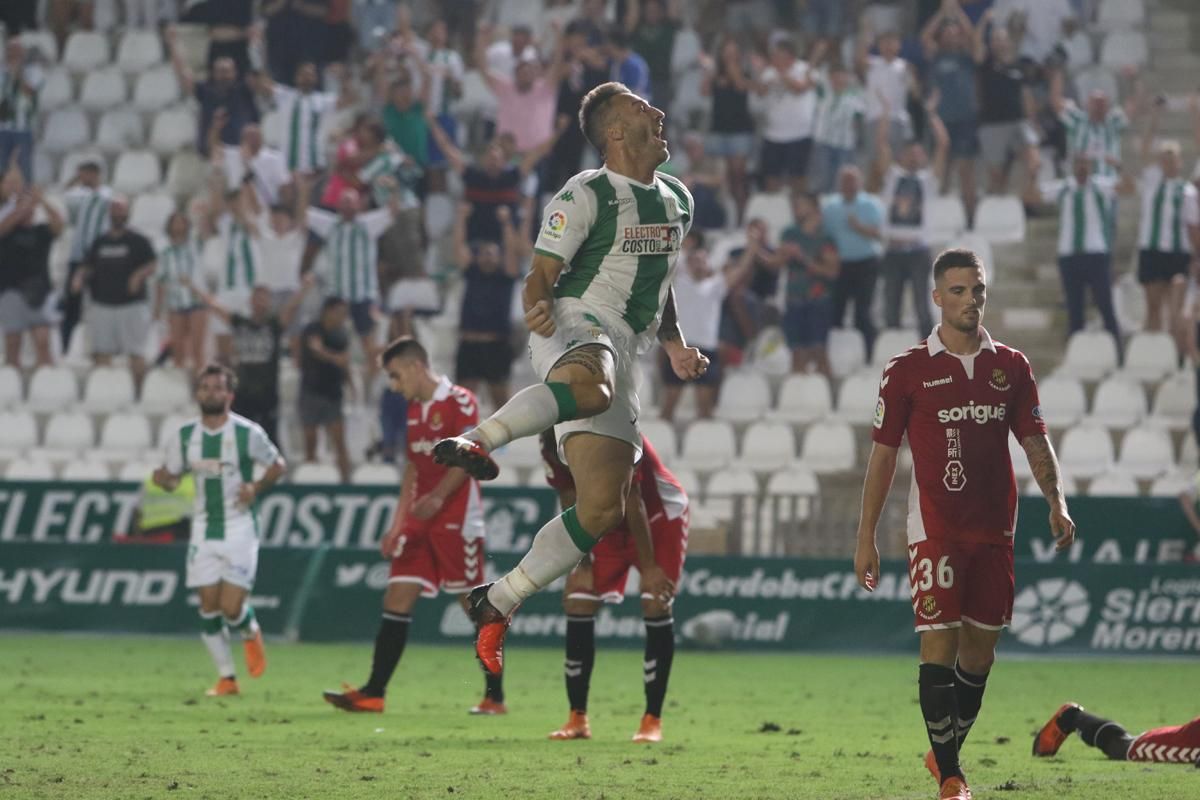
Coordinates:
[554,552]
[528,413]
[218,648]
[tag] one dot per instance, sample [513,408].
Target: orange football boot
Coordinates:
[650,730]
[491,627]
[224,688]
[931,765]
[489,708]
[256,656]
[576,728]
[1051,736]
[954,788]
[351,699]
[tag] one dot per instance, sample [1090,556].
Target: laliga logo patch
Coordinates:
[880,409]
[556,224]
[999,380]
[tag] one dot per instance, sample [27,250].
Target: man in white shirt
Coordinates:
[788,126]
[1042,21]
[264,166]
[887,78]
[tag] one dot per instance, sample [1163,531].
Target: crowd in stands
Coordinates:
[357,170]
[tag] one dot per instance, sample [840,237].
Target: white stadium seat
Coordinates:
[165,390]
[525,453]
[20,433]
[1086,451]
[155,89]
[1172,484]
[1001,219]
[1150,356]
[66,129]
[102,90]
[775,209]
[29,471]
[662,435]
[745,396]
[52,389]
[136,171]
[1080,52]
[727,484]
[803,398]
[1118,403]
[793,481]
[1070,487]
[85,470]
[139,50]
[172,130]
[828,447]
[708,444]
[1174,401]
[847,351]
[58,90]
[136,471]
[12,388]
[769,353]
[149,213]
[1096,78]
[311,473]
[169,428]
[947,219]
[120,129]
[1113,484]
[1146,452]
[857,397]
[1120,14]
[767,447]
[1124,49]
[1090,355]
[85,51]
[891,342]
[43,41]
[68,433]
[123,435]
[689,479]
[1063,401]
[108,389]
[375,475]
[185,174]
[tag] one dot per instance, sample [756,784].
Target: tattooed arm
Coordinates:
[1044,465]
[688,362]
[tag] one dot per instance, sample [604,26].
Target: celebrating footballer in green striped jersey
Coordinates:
[596,297]
[221,450]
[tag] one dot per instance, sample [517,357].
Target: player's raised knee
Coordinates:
[592,399]
[598,518]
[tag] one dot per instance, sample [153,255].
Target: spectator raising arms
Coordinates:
[490,272]
[87,209]
[731,131]
[225,89]
[525,104]
[304,111]
[27,230]
[787,131]
[888,80]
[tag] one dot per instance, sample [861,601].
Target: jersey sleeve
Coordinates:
[1025,418]
[566,222]
[892,408]
[377,221]
[320,221]
[262,449]
[468,411]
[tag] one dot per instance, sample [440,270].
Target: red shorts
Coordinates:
[438,556]
[616,553]
[1178,743]
[954,582]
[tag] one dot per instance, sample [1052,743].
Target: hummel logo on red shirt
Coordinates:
[938,382]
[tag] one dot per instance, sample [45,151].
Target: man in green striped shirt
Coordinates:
[597,295]
[222,450]
[87,200]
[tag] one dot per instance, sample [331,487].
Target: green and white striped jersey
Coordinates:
[220,461]
[1084,214]
[838,114]
[87,211]
[1169,207]
[303,115]
[176,262]
[20,106]
[620,240]
[351,250]
[384,164]
[243,258]
[1097,140]
[444,63]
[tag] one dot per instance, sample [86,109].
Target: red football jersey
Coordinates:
[958,412]
[452,411]
[661,491]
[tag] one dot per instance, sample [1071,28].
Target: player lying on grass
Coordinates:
[597,295]
[221,450]
[436,538]
[957,396]
[652,538]
[1174,744]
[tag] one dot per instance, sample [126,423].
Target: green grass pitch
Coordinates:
[125,717]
